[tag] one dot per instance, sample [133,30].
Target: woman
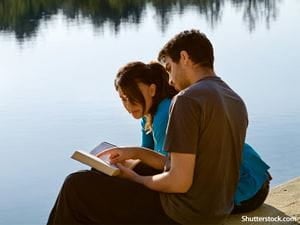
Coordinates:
[145,94]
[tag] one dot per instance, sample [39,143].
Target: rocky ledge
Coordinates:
[282,206]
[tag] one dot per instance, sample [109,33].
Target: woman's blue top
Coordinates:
[155,139]
[253,171]
[253,174]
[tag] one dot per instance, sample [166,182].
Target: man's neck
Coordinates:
[199,73]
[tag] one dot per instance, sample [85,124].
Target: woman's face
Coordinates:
[136,109]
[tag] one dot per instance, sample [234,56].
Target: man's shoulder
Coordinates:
[198,90]
[210,93]
[206,85]
[211,86]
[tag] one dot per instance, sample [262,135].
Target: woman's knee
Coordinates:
[76,179]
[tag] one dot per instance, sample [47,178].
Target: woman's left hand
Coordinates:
[118,154]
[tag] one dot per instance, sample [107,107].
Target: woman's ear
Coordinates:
[152,89]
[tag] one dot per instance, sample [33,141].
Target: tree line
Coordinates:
[23,17]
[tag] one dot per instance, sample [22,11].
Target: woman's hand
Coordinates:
[147,156]
[118,154]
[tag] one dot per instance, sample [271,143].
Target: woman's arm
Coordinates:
[147,156]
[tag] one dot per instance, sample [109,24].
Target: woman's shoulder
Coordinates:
[163,107]
[164,104]
[162,113]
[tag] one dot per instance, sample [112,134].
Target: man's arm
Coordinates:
[177,180]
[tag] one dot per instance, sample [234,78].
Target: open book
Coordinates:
[102,164]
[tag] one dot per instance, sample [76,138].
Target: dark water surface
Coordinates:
[58,60]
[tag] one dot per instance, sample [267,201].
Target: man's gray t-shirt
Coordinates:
[207,119]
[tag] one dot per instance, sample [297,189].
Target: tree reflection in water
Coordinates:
[23,17]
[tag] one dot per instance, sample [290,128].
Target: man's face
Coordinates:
[177,75]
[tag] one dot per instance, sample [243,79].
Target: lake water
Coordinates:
[58,60]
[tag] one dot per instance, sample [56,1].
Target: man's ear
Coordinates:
[152,90]
[184,57]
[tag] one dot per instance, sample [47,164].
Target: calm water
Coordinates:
[58,60]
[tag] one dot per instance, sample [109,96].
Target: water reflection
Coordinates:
[255,10]
[210,9]
[23,18]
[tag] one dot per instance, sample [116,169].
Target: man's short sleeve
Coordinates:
[184,126]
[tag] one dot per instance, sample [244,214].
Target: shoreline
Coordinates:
[282,206]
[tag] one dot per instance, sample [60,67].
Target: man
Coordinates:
[208,121]
[205,136]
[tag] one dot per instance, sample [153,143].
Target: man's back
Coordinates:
[210,120]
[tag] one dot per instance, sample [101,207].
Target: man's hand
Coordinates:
[127,173]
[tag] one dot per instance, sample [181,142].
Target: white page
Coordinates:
[101,147]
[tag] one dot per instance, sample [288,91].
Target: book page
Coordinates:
[130,163]
[101,147]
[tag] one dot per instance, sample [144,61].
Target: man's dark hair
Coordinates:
[195,43]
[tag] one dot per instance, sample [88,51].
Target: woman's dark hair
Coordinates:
[195,43]
[133,73]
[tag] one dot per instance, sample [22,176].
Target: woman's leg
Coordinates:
[90,197]
[253,203]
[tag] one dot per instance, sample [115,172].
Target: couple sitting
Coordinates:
[195,167]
